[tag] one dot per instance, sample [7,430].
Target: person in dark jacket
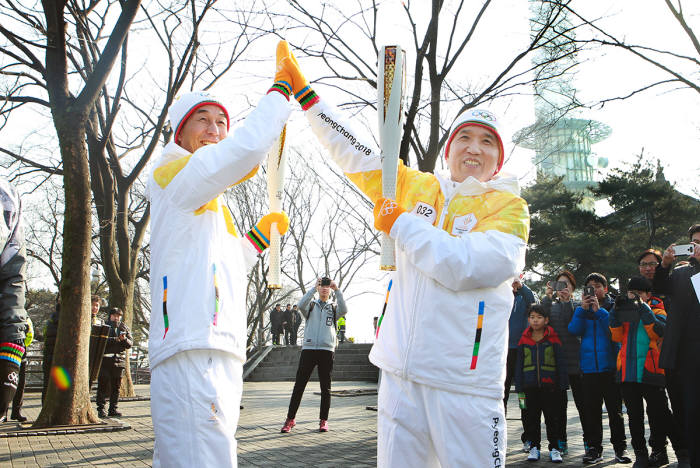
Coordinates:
[276,320]
[561,306]
[113,363]
[638,323]
[517,324]
[541,374]
[297,322]
[50,332]
[681,346]
[13,317]
[288,325]
[318,349]
[647,261]
[598,365]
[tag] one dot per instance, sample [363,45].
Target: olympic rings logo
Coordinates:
[387,208]
[484,115]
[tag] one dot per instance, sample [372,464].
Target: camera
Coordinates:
[685,249]
[559,285]
[325,281]
[588,291]
[626,309]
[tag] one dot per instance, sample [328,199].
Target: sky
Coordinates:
[664,123]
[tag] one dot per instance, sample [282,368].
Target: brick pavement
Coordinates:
[351,441]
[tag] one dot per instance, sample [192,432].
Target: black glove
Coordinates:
[11,354]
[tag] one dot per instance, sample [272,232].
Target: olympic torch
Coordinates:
[391,84]
[276,167]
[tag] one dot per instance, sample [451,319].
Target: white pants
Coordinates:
[421,426]
[195,404]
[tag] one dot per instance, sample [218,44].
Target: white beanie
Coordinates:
[480,118]
[183,106]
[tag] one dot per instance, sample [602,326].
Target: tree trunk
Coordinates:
[68,397]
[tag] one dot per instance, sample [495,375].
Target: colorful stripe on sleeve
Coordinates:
[165,305]
[258,239]
[282,87]
[386,301]
[477,339]
[11,352]
[217,302]
[307,97]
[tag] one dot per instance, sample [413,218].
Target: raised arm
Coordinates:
[211,169]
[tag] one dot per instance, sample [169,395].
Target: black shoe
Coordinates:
[115,413]
[641,459]
[622,457]
[658,457]
[18,416]
[683,458]
[101,414]
[593,455]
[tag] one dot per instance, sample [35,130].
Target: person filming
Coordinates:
[318,348]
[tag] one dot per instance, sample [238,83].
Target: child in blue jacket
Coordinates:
[541,374]
[598,359]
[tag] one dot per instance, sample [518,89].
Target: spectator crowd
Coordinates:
[634,350]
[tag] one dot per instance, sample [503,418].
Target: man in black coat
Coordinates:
[276,319]
[113,363]
[681,345]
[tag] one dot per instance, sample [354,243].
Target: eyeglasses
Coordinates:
[648,264]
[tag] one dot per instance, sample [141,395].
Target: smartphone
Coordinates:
[325,282]
[685,249]
[588,291]
[559,285]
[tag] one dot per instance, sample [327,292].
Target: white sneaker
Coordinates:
[526,446]
[534,454]
[555,456]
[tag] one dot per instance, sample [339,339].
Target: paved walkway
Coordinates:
[351,441]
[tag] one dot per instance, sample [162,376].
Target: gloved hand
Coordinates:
[386,211]
[10,360]
[259,235]
[290,80]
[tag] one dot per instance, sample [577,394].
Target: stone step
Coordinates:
[351,362]
[338,361]
[273,376]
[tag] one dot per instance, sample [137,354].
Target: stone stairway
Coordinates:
[351,363]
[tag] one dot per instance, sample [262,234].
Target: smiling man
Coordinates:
[460,240]
[199,265]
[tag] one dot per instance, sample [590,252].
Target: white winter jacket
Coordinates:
[199,262]
[446,323]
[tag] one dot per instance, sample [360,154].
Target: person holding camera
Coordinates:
[598,365]
[560,305]
[113,363]
[681,344]
[637,322]
[318,349]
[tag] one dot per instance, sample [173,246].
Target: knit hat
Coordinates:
[480,118]
[181,109]
[639,283]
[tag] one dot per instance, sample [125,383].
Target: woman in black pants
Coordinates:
[318,348]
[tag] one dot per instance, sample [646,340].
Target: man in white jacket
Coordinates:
[442,344]
[199,265]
